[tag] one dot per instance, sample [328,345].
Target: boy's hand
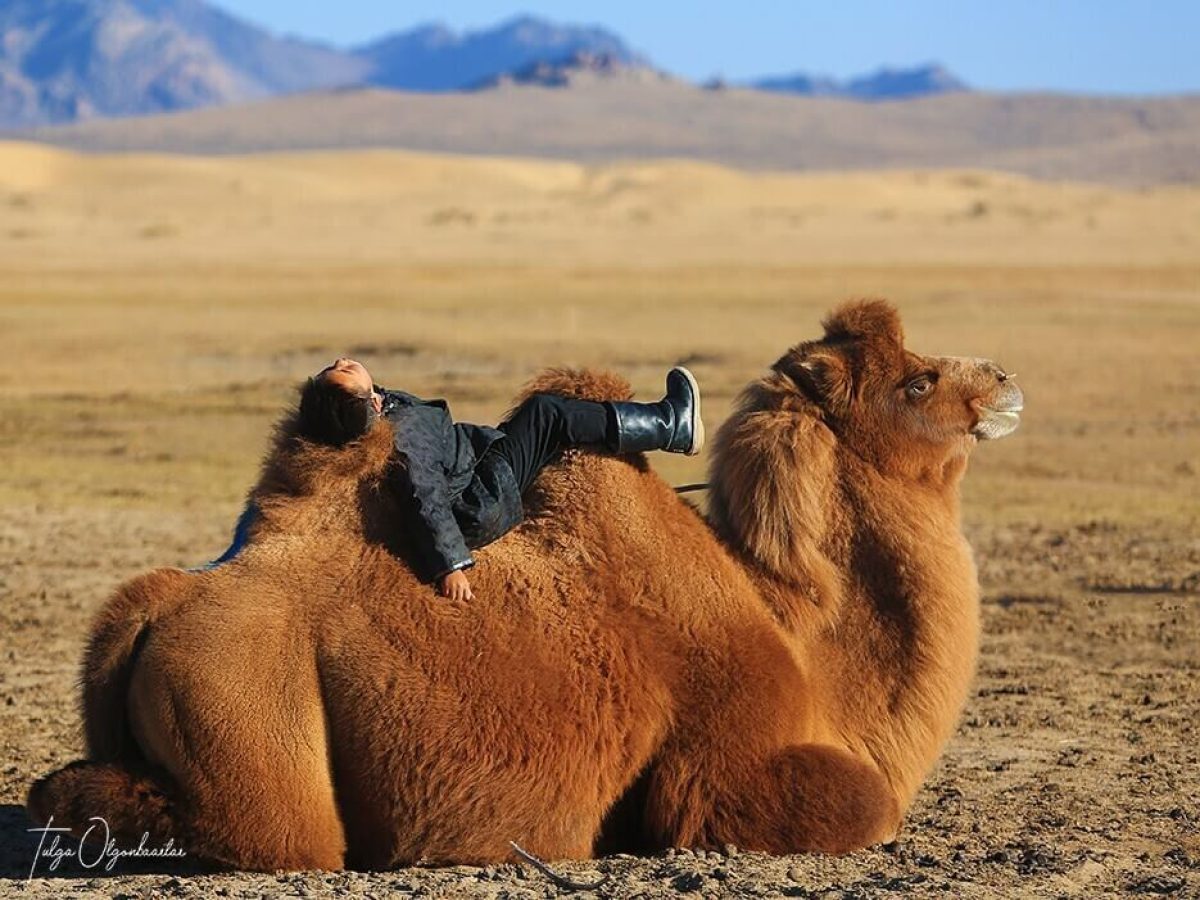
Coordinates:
[455,586]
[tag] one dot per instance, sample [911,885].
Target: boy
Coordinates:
[460,485]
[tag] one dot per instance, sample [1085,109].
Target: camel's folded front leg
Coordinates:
[799,799]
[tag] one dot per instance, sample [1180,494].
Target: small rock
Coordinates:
[687,882]
[1179,856]
[1157,884]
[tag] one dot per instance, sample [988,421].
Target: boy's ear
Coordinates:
[824,375]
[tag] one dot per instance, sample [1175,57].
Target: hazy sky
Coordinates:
[1151,46]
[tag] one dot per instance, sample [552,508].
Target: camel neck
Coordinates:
[911,604]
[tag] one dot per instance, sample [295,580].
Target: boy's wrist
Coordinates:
[457,567]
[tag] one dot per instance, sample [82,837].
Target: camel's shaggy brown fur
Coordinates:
[626,676]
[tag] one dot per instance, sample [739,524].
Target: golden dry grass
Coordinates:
[157,310]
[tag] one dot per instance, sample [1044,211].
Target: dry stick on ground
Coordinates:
[561,880]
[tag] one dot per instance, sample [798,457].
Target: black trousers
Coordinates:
[544,426]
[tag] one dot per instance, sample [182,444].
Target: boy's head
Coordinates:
[339,403]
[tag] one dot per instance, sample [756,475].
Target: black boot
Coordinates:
[672,424]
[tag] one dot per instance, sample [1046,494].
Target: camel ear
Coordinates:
[824,374]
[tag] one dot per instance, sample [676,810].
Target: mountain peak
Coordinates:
[576,69]
[418,60]
[885,83]
[894,83]
[77,58]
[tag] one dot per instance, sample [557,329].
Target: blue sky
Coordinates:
[1101,46]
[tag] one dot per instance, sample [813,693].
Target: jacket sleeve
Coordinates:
[421,486]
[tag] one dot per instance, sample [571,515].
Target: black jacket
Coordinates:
[450,502]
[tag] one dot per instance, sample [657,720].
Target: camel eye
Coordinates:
[919,387]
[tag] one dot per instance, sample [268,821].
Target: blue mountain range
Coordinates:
[65,60]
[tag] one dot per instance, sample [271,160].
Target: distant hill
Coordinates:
[434,58]
[62,60]
[1128,141]
[882,84]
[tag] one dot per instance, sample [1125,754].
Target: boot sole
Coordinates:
[697,420]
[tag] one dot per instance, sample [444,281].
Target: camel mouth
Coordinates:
[997,422]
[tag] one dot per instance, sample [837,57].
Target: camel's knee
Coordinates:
[803,799]
[837,802]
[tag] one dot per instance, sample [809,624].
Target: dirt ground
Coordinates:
[144,369]
[1074,773]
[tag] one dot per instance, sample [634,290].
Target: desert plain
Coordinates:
[157,313]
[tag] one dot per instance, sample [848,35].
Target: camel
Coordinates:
[780,676]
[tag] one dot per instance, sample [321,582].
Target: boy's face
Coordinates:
[351,376]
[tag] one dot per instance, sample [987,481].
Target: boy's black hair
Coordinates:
[329,414]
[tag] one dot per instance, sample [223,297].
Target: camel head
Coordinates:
[838,414]
[899,410]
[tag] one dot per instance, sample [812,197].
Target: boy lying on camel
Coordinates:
[460,485]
